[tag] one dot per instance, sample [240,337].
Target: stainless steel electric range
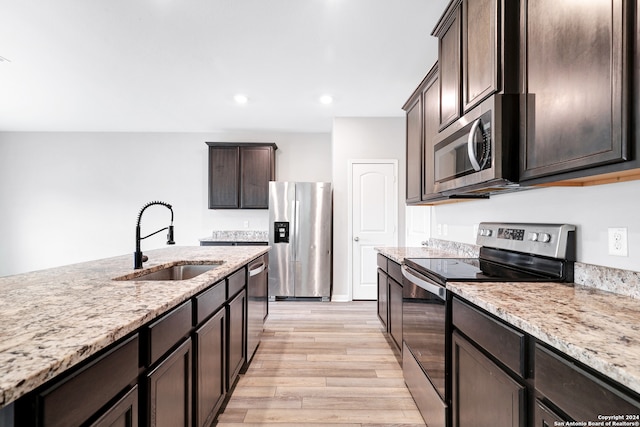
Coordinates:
[509,252]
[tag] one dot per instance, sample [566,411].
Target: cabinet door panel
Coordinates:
[545,417]
[395,312]
[480,51]
[237,317]
[483,394]
[575,104]
[430,103]
[224,177]
[449,74]
[414,151]
[169,386]
[383,291]
[123,413]
[210,370]
[256,172]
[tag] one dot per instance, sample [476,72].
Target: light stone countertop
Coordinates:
[598,328]
[237,236]
[53,319]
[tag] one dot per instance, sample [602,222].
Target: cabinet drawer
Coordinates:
[74,400]
[209,301]
[236,282]
[575,391]
[504,343]
[382,262]
[395,271]
[168,330]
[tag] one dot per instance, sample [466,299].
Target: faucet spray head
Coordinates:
[170,236]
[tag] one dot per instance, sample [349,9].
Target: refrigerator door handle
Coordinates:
[296,228]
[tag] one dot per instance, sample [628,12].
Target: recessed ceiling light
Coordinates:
[326,99]
[241,99]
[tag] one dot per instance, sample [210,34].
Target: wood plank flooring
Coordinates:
[320,364]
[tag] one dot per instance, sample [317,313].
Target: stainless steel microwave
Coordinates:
[477,155]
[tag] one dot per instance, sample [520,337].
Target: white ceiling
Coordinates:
[175,65]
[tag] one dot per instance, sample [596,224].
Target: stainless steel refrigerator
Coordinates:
[300,236]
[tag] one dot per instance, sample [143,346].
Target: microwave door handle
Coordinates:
[429,287]
[471,146]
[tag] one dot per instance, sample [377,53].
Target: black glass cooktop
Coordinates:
[468,270]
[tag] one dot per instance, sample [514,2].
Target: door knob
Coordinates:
[356,239]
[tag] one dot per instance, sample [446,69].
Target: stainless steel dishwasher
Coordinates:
[258,302]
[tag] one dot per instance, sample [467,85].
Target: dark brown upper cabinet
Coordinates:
[477,54]
[576,109]
[239,174]
[449,67]
[422,127]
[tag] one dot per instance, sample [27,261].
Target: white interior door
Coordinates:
[374,219]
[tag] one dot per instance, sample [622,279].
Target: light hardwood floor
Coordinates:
[319,364]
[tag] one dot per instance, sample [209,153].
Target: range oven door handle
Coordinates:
[439,291]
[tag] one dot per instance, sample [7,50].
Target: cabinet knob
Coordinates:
[356,239]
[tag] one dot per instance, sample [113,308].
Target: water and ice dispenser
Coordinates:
[281,232]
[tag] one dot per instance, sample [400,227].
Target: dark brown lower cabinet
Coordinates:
[383,301]
[578,392]
[236,329]
[395,312]
[483,395]
[545,417]
[123,414]
[75,400]
[210,375]
[169,389]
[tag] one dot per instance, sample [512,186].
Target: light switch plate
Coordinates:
[618,241]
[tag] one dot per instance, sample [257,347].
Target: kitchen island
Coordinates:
[54,319]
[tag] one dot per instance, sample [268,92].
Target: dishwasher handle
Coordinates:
[432,288]
[254,271]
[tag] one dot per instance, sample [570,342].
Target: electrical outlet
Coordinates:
[618,241]
[445,229]
[246,224]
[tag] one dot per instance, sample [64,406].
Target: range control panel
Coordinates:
[551,240]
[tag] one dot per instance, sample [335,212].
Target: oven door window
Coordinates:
[423,330]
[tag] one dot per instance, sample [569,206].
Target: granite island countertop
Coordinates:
[598,328]
[53,319]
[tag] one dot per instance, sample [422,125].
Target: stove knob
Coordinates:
[545,238]
[533,236]
[488,233]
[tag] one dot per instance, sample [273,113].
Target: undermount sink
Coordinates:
[174,272]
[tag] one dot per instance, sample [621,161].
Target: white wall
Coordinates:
[361,138]
[71,197]
[592,209]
